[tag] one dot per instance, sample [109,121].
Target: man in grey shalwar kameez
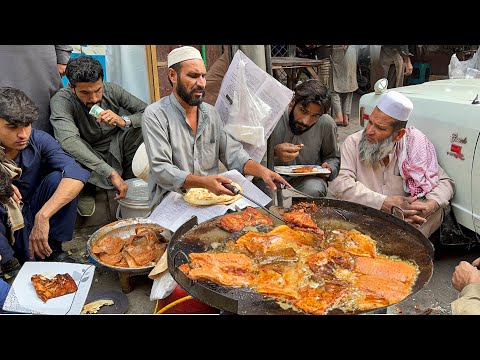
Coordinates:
[37,70]
[307,135]
[184,137]
[104,144]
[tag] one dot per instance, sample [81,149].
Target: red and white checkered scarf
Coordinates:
[417,162]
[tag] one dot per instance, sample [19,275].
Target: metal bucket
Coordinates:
[135,203]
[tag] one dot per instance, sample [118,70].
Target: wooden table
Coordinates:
[295,66]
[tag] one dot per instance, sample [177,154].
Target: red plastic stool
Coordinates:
[186,304]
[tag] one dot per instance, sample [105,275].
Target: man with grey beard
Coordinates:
[184,137]
[369,171]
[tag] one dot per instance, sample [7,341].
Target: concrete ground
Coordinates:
[434,298]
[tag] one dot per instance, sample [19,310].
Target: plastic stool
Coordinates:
[421,73]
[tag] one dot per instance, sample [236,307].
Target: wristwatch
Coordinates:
[128,122]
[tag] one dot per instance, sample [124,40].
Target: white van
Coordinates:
[448,112]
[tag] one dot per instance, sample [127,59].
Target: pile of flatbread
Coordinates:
[202,197]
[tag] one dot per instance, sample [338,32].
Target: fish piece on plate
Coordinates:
[248,217]
[112,260]
[229,269]
[304,169]
[108,244]
[59,285]
[145,250]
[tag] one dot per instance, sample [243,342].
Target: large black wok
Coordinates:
[393,236]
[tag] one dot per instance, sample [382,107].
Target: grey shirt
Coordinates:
[82,136]
[320,143]
[174,152]
[33,69]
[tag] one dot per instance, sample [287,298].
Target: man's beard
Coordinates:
[188,96]
[293,126]
[371,153]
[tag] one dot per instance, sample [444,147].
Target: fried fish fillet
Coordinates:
[46,288]
[222,268]
[387,268]
[248,217]
[304,169]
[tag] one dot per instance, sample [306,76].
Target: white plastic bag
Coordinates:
[246,121]
[464,69]
[163,286]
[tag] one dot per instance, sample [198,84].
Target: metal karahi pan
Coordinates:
[124,229]
[393,236]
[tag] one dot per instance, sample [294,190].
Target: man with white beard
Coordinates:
[370,173]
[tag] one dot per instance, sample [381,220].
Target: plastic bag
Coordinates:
[163,286]
[246,121]
[468,69]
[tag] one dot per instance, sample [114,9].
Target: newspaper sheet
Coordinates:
[173,211]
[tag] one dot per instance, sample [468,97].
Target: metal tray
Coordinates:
[124,229]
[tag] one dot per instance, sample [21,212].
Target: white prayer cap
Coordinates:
[396,105]
[181,54]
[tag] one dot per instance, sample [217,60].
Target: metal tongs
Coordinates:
[282,186]
[236,191]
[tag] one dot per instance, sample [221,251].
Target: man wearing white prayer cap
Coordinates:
[184,136]
[183,53]
[396,105]
[370,173]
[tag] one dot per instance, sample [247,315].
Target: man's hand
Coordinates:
[38,240]
[325,165]
[270,177]
[286,152]
[110,118]
[17,196]
[412,210]
[212,183]
[431,206]
[120,185]
[407,64]
[61,69]
[465,274]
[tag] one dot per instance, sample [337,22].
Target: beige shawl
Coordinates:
[14,210]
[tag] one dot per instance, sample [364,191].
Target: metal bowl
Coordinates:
[124,229]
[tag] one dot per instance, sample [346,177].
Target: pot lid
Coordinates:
[137,190]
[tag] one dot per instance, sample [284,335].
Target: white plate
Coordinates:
[287,170]
[22,297]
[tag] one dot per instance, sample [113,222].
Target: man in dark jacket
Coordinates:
[41,212]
